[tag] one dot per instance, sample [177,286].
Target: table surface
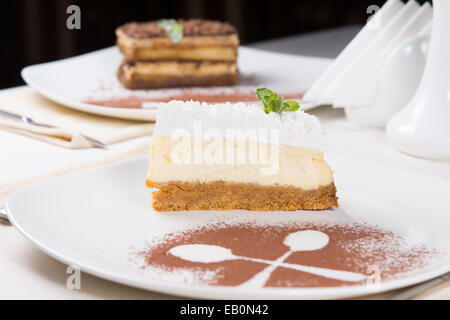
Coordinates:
[27,273]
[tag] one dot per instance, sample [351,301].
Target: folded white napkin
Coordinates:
[71,124]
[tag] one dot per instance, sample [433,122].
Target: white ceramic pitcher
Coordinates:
[422,128]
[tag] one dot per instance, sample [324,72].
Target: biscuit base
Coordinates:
[221,195]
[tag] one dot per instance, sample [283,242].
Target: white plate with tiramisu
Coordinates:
[148,67]
[247,207]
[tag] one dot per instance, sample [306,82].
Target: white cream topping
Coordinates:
[297,129]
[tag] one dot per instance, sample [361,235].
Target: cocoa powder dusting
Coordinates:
[192,27]
[134,102]
[355,248]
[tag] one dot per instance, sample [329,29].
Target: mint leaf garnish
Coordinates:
[292,105]
[174,30]
[274,103]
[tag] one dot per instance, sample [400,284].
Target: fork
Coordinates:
[415,291]
[25,119]
[4,215]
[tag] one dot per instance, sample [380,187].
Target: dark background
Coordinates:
[35,30]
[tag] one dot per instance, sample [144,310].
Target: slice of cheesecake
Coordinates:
[236,156]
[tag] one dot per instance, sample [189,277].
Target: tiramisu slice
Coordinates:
[239,156]
[178,53]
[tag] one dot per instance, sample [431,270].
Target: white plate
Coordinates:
[94,218]
[72,81]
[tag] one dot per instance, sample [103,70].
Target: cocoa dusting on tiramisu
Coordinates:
[187,95]
[194,27]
